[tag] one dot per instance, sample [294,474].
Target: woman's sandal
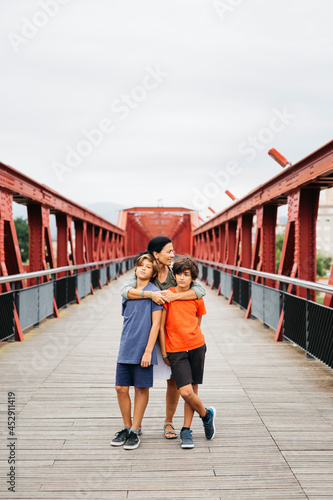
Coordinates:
[169,432]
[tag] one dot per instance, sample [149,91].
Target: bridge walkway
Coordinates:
[274,414]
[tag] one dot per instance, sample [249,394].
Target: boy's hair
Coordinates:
[146,255]
[186,263]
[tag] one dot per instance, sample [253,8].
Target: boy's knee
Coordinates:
[121,390]
[140,391]
[186,391]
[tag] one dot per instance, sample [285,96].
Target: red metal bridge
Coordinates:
[90,251]
[274,403]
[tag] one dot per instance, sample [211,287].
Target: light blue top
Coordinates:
[136,328]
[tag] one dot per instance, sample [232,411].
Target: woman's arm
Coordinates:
[129,291]
[155,327]
[131,283]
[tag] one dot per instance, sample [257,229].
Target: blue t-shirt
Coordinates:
[136,328]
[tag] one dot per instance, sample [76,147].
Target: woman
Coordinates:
[162,249]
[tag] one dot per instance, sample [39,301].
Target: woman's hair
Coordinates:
[186,263]
[158,243]
[146,255]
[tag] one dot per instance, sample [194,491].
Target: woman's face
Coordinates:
[166,255]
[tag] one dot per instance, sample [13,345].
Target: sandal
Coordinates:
[169,432]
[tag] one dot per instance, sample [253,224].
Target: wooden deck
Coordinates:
[274,435]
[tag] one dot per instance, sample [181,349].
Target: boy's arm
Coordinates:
[161,337]
[196,291]
[199,320]
[155,327]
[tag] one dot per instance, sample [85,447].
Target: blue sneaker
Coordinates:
[186,439]
[209,426]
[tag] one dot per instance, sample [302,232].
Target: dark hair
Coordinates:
[186,263]
[158,243]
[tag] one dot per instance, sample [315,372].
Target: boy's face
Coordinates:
[145,270]
[184,279]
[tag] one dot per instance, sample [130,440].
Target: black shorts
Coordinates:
[188,366]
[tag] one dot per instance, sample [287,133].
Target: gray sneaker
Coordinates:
[186,439]
[210,425]
[132,441]
[120,438]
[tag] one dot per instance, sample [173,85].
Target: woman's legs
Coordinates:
[172,398]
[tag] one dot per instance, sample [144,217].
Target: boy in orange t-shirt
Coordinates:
[183,348]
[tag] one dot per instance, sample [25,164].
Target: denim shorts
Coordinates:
[134,375]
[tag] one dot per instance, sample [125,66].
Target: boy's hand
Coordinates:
[160,297]
[146,360]
[166,361]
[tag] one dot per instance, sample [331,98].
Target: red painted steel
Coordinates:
[299,187]
[94,236]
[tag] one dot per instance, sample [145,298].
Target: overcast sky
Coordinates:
[188,95]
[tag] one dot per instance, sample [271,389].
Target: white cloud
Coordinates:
[225,77]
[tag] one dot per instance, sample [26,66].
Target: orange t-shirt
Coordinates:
[182,332]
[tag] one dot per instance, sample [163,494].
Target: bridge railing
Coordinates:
[63,285]
[302,321]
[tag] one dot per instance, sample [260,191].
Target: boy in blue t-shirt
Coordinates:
[137,353]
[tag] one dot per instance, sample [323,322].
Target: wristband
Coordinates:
[150,295]
[142,294]
[163,357]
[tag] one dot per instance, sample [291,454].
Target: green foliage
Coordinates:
[279,243]
[22,231]
[323,263]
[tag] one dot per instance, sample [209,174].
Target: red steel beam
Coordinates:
[316,170]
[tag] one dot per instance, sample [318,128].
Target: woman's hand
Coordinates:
[169,296]
[160,297]
[146,360]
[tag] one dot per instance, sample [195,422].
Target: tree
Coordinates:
[22,231]
[323,263]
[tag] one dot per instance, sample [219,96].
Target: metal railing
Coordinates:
[307,323]
[39,301]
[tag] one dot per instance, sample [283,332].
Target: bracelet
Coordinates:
[142,294]
[150,295]
[163,357]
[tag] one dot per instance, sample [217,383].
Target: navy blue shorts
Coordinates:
[134,375]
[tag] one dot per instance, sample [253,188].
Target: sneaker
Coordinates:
[210,425]
[132,441]
[120,438]
[186,439]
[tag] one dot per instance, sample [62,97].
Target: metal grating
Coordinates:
[204,273]
[103,275]
[45,297]
[294,325]
[321,332]
[6,315]
[236,290]
[245,293]
[95,278]
[226,284]
[61,292]
[217,278]
[28,305]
